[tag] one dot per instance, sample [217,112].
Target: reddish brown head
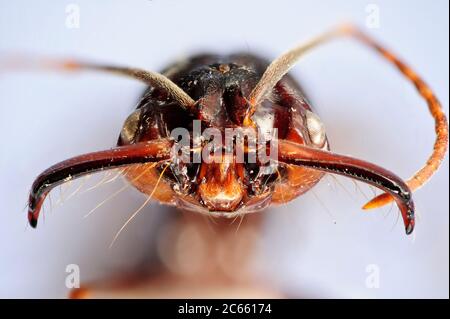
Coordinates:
[228,175]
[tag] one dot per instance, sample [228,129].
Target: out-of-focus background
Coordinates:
[322,244]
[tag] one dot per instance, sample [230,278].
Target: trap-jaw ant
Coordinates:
[239,90]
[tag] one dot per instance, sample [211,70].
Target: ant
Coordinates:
[236,91]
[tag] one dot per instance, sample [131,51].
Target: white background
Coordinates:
[370,112]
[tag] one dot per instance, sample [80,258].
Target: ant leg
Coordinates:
[296,154]
[80,293]
[139,153]
[434,107]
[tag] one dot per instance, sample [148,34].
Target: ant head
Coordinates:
[223,172]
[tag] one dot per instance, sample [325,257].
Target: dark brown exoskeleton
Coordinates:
[228,92]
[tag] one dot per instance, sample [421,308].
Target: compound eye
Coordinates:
[130,127]
[316,129]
